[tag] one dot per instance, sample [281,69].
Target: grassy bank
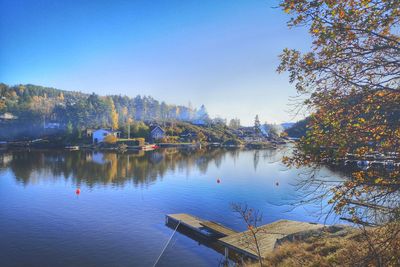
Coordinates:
[348,247]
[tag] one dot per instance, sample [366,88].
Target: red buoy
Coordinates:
[78,191]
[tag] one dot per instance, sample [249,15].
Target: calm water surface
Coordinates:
[119,217]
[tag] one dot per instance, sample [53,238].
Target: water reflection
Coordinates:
[93,168]
[124,214]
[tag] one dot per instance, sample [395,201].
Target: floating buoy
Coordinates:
[218,181]
[78,191]
[277,183]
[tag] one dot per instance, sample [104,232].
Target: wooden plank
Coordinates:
[207,228]
[218,228]
[187,220]
[267,235]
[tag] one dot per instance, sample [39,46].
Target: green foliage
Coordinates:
[232,142]
[169,139]
[70,128]
[35,104]
[209,133]
[132,142]
[140,129]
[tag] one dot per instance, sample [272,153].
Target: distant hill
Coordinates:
[26,109]
[287,125]
[298,129]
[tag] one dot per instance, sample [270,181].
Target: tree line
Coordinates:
[33,106]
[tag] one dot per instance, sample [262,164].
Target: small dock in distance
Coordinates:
[230,242]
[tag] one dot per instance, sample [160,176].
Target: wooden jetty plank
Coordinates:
[187,220]
[206,228]
[218,228]
[267,236]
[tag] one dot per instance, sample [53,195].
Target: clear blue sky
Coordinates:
[219,53]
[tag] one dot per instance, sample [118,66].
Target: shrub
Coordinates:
[110,139]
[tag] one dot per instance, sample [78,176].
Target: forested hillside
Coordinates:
[27,109]
[298,129]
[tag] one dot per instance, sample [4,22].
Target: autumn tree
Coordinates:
[252,238]
[234,123]
[349,82]
[355,46]
[113,114]
[2,105]
[110,139]
[201,137]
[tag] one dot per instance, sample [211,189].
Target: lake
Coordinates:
[118,219]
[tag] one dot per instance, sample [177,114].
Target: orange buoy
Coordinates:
[78,191]
[218,180]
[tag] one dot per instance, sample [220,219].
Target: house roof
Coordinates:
[157,127]
[106,130]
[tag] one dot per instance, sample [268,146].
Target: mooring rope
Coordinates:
[166,245]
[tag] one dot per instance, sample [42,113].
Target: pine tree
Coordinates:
[257,125]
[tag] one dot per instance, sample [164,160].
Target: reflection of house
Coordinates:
[8,116]
[156,157]
[5,159]
[157,133]
[52,125]
[100,134]
[98,158]
[89,132]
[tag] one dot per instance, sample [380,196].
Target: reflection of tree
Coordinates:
[94,168]
[256,159]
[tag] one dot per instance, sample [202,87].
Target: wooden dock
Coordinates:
[207,228]
[231,242]
[267,235]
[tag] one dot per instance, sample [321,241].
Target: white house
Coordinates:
[100,134]
[157,133]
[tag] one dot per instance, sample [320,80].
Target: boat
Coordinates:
[148,147]
[72,148]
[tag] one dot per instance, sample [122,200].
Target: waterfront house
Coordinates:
[100,134]
[89,133]
[157,133]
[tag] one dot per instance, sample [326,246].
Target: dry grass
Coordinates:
[375,247]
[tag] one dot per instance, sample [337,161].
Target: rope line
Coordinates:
[166,245]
